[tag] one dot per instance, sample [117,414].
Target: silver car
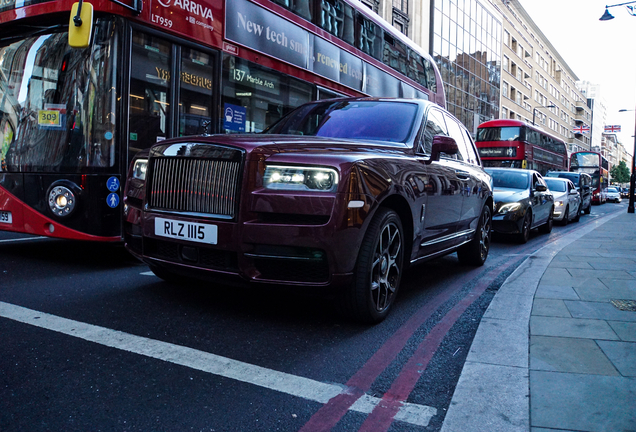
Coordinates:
[567,200]
[613,195]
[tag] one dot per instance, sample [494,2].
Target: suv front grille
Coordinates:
[194,185]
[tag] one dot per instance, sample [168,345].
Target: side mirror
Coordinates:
[80,26]
[540,188]
[442,144]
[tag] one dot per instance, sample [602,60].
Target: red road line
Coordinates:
[330,413]
[383,414]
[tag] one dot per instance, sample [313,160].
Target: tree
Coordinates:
[620,173]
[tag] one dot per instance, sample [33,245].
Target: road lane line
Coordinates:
[211,363]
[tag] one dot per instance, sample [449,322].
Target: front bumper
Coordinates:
[508,223]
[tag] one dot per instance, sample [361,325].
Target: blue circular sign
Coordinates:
[112,200]
[112,184]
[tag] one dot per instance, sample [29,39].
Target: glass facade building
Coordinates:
[466,44]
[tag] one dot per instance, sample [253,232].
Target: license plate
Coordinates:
[5,217]
[191,231]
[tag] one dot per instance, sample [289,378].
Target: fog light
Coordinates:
[61,201]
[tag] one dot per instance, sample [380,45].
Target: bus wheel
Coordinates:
[476,251]
[378,270]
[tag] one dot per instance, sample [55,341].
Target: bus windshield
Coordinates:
[584,160]
[58,103]
[508,133]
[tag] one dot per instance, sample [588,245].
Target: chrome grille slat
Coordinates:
[194,185]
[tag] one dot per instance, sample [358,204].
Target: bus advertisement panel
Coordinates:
[597,166]
[71,119]
[515,144]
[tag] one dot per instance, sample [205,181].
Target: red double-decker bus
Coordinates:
[597,166]
[139,72]
[515,144]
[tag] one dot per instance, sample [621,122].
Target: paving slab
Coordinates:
[569,355]
[556,276]
[557,292]
[550,307]
[589,274]
[626,331]
[604,294]
[580,402]
[498,407]
[622,355]
[571,327]
[571,265]
[599,311]
[619,283]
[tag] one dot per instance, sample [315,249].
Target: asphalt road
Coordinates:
[91,340]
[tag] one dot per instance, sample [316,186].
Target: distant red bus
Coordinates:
[598,167]
[515,144]
[72,115]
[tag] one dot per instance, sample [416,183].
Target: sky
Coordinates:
[601,52]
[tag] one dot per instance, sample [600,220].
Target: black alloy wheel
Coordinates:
[378,269]
[566,216]
[578,214]
[546,228]
[524,234]
[476,251]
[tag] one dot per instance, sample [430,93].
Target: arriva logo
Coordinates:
[189,6]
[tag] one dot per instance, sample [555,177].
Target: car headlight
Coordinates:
[139,169]
[281,177]
[558,203]
[511,207]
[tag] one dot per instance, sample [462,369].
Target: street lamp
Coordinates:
[534,111]
[608,16]
[632,178]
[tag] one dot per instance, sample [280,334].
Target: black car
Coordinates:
[339,195]
[583,183]
[522,202]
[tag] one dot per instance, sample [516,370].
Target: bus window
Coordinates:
[195,104]
[149,91]
[255,97]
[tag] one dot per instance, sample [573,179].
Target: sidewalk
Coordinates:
[556,349]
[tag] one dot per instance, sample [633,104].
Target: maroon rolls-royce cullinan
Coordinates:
[340,194]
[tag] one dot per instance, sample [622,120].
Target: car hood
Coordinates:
[559,196]
[269,145]
[509,195]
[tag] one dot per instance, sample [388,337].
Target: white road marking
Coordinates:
[211,363]
[148,273]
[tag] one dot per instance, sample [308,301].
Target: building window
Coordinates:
[374,5]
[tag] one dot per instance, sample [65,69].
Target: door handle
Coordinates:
[462,175]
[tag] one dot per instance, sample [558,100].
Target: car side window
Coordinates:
[472,150]
[435,125]
[455,132]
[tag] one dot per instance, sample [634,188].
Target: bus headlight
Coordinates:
[282,177]
[139,169]
[61,201]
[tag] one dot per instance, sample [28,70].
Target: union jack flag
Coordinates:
[583,129]
[612,129]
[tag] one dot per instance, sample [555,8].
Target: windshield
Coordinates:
[555,185]
[510,133]
[612,190]
[509,179]
[364,120]
[58,103]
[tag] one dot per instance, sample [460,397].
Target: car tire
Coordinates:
[378,270]
[475,252]
[588,210]
[578,214]
[566,216]
[546,228]
[524,235]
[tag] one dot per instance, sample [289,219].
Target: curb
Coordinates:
[493,391]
